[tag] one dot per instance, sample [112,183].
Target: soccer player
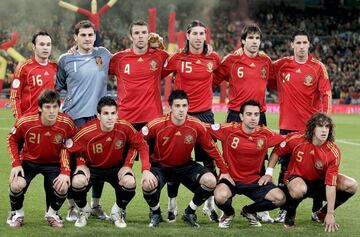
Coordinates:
[43,152]
[175,136]
[304,88]
[313,170]
[193,69]
[99,146]
[244,145]
[33,76]
[251,67]
[83,76]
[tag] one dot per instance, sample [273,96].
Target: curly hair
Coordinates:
[319,119]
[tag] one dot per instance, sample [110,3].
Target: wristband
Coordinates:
[269,171]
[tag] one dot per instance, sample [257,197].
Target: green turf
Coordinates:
[348,137]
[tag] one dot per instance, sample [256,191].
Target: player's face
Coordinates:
[49,113]
[196,37]
[179,110]
[251,117]
[42,47]
[321,132]
[85,39]
[252,42]
[139,36]
[301,45]
[108,117]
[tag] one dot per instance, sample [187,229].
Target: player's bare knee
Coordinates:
[79,181]
[208,180]
[298,192]
[221,194]
[128,181]
[17,186]
[279,197]
[351,185]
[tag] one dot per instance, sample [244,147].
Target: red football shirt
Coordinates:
[247,77]
[174,144]
[30,79]
[309,161]
[194,75]
[100,149]
[42,144]
[303,89]
[138,83]
[244,153]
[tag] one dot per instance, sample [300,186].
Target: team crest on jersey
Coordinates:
[260,144]
[153,65]
[98,61]
[57,139]
[188,139]
[308,81]
[118,144]
[318,164]
[210,66]
[263,72]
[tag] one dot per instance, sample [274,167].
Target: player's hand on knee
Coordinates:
[84,169]
[330,223]
[15,172]
[61,183]
[149,180]
[265,179]
[228,177]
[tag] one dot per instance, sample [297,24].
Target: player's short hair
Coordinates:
[249,102]
[195,23]
[84,24]
[105,101]
[250,28]
[298,32]
[137,23]
[48,96]
[319,119]
[177,94]
[42,33]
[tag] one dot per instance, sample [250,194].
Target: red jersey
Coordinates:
[138,83]
[247,77]
[244,153]
[303,89]
[194,75]
[42,144]
[174,144]
[100,149]
[310,162]
[30,79]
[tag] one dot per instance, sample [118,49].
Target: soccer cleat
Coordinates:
[155,219]
[253,221]
[281,216]
[171,216]
[264,217]
[82,219]
[318,216]
[54,221]
[211,213]
[119,218]
[225,221]
[72,214]
[15,220]
[99,213]
[191,219]
[289,221]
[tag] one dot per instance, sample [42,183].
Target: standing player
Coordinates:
[304,88]
[83,76]
[175,136]
[43,152]
[313,170]
[33,76]
[193,69]
[98,145]
[245,145]
[251,67]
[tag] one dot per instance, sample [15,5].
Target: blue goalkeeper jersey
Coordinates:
[84,78]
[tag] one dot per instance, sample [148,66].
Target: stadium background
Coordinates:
[334,25]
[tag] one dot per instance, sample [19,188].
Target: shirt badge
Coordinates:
[153,65]
[16,83]
[308,81]
[318,164]
[260,144]
[98,61]
[118,144]
[210,66]
[188,139]
[69,143]
[215,126]
[263,72]
[13,130]
[57,139]
[145,130]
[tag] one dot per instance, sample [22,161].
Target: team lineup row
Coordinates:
[301,81]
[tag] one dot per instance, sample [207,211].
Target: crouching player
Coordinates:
[313,170]
[245,145]
[99,147]
[43,153]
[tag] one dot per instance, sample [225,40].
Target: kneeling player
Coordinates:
[313,171]
[245,145]
[175,137]
[43,153]
[99,146]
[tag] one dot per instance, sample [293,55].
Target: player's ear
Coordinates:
[40,109]
[241,117]
[98,116]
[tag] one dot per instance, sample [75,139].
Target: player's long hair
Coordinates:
[319,119]
[188,30]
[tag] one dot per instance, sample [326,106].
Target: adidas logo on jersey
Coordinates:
[46,73]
